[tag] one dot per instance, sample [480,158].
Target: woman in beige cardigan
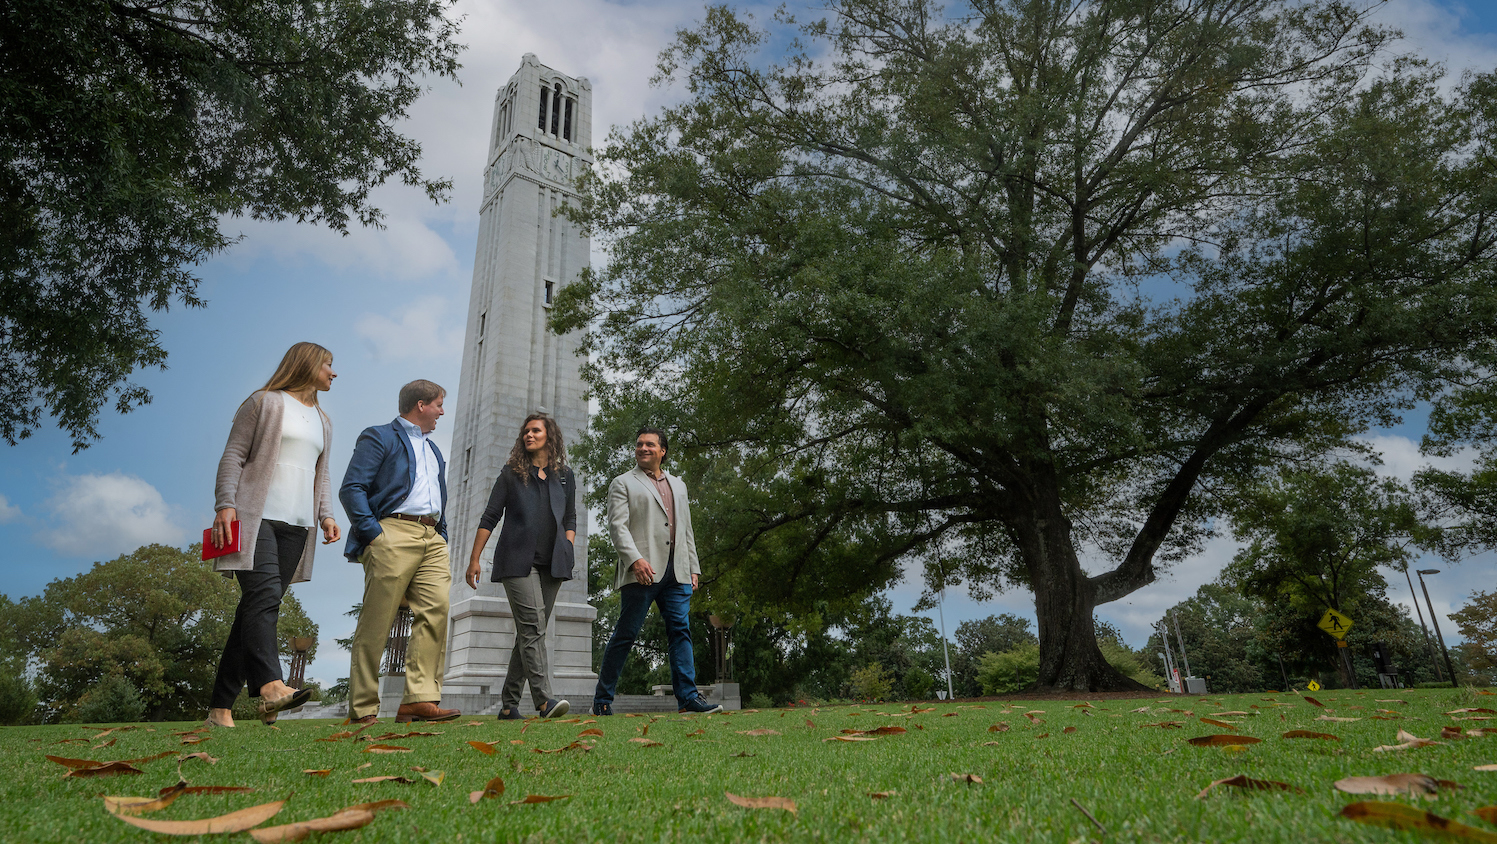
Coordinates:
[273,480]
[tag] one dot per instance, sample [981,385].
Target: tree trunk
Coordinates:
[1064,602]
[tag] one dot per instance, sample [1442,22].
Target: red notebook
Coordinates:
[209,552]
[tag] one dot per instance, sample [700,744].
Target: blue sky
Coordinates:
[391,303]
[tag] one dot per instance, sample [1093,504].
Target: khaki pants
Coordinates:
[406,562]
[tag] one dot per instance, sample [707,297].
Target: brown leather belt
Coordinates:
[429,521]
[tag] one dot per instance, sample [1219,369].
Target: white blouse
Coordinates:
[290,498]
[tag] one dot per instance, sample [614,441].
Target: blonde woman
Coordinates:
[273,480]
[536,495]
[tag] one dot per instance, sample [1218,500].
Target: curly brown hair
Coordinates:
[556,450]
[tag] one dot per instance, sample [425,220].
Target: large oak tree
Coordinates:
[1019,283]
[129,129]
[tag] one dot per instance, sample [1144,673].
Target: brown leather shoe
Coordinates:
[424,711]
[363,722]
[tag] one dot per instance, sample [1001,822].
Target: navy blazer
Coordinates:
[379,479]
[520,505]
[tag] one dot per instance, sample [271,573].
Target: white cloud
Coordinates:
[8,512]
[1401,457]
[1436,30]
[105,515]
[417,331]
[406,249]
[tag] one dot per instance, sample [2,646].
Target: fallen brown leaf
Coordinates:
[433,777]
[143,805]
[1485,768]
[850,738]
[1312,701]
[1242,781]
[698,732]
[195,739]
[386,748]
[573,746]
[1308,734]
[75,763]
[1221,741]
[762,802]
[1000,727]
[744,755]
[970,779]
[352,817]
[1390,784]
[882,795]
[495,788]
[211,760]
[232,822]
[394,736]
[1409,740]
[1236,713]
[1451,712]
[645,742]
[594,731]
[406,780]
[1168,725]
[1401,817]
[109,743]
[759,732]
[539,798]
[1223,724]
[1451,733]
[108,769]
[483,747]
[1335,718]
[318,772]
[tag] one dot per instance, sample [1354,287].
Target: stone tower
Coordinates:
[514,365]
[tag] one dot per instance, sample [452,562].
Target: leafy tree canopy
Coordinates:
[130,130]
[986,288]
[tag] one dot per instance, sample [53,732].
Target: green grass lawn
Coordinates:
[1140,782]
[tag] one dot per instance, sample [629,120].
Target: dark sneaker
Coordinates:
[554,709]
[700,705]
[510,713]
[602,708]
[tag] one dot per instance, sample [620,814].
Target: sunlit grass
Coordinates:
[1139,782]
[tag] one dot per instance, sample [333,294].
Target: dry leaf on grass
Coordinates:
[697,732]
[363,766]
[1069,730]
[594,731]
[1487,813]
[433,777]
[232,822]
[762,802]
[474,724]
[1242,781]
[1452,733]
[1401,817]
[970,779]
[108,769]
[1451,712]
[212,789]
[573,746]
[1235,712]
[211,760]
[1042,735]
[102,744]
[744,755]
[386,748]
[406,780]
[1485,768]
[1335,718]
[352,817]
[1168,725]
[336,736]
[645,742]
[1313,701]
[1000,727]
[850,738]
[1409,740]
[483,747]
[393,736]
[882,795]
[1222,724]
[195,739]
[1308,734]
[514,741]
[75,763]
[495,788]
[143,805]
[760,732]
[1393,784]
[539,798]
[1222,741]
[318,772]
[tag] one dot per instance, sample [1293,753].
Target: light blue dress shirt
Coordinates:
[426,493]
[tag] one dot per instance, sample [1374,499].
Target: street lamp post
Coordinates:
[1436,622]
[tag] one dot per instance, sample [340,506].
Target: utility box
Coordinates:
[1195,685]
[1387,672]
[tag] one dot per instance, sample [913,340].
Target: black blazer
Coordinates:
[521,506]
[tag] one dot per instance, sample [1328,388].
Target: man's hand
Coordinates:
[330,531]
[472,575]
[693,581]
[642,572]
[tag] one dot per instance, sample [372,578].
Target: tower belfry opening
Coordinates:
[513,365]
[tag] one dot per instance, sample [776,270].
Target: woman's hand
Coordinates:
[472,576]
[330,531]
[223,526]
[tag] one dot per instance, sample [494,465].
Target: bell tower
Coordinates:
[513,365]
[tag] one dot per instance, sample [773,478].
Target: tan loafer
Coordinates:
[424,711]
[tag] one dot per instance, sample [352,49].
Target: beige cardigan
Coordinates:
[244,475]
[637,526]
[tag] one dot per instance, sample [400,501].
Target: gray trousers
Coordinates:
[530,601]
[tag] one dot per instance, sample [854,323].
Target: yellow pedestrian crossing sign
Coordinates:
[1335,624]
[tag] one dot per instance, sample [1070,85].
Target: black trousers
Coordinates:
[251,655]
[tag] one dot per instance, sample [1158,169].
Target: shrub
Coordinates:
[759,700]
[871,683]
[17,700]
[112,700]
[1129,663]
[918,683]
[1010,671]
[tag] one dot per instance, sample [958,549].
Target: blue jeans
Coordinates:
[674,600]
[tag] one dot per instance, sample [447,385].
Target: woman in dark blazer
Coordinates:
[536,495]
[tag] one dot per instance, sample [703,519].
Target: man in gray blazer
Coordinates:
[649,521]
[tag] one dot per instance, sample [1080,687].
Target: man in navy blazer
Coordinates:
[395,494]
